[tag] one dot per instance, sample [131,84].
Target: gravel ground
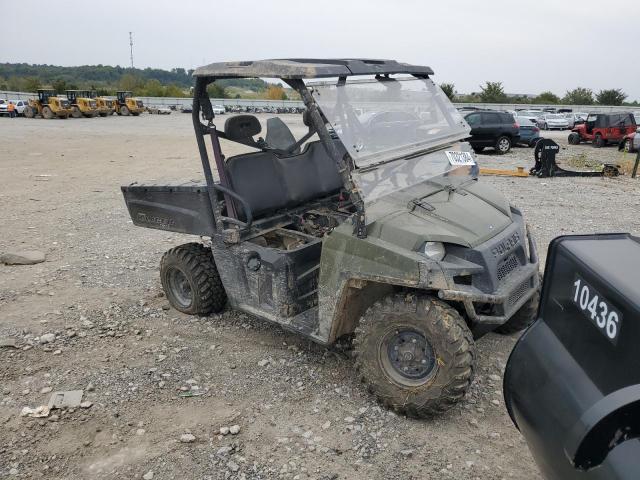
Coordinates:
[165,388]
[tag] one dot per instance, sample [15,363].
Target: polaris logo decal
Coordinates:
[158,222]
[506,245]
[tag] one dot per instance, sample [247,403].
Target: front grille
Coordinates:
[507,266]
[518,292]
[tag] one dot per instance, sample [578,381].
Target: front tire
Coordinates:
[29,112]
[574,138]
[47,112]
[503,145]
[415,353]
[191,281]
[75,112]
[124,111]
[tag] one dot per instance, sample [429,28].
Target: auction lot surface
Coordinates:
[301,410]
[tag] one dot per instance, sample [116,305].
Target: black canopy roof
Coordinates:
[308,68]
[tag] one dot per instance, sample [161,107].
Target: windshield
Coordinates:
[381,120]
[556,115]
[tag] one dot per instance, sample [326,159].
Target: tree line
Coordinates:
[493,92]
[106,80]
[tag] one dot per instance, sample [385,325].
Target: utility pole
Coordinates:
[131,45]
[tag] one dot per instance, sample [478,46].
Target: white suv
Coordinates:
[20,106]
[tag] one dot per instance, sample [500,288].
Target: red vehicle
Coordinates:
[603,128]
[630,143]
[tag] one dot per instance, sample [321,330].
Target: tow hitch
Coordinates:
[546,166]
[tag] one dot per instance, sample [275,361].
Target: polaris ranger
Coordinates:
[371,223]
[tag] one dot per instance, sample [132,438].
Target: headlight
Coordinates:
[433,250]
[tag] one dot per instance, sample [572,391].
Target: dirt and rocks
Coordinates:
[169,396]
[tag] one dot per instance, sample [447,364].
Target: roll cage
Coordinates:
[293,72]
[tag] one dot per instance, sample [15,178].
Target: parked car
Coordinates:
[603,128]
[220,110]
[186,109]
[631,142]
[574,118]
[529,132]
[492,129]
[20,106]
[532,115]
[159,110]
[549,121]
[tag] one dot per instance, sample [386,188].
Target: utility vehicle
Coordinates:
[377,229]
[47,105]
[125,104]
[603,128]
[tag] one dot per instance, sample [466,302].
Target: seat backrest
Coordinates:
[242,128]
[279,135]
[269,183]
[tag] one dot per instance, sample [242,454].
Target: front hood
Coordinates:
[468,216]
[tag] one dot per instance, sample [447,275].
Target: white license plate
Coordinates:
[460,158]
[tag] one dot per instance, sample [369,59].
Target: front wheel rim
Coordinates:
[407,357]
[180,287]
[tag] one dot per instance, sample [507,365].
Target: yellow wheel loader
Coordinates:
[104,104]
[47,105]
[125,104]
[82,105]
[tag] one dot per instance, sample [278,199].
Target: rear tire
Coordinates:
[124,111]
[75,112]
[503,145]
[29,112]
[47,113]
[524,317]
[628,145]
[191,281]
[415,353]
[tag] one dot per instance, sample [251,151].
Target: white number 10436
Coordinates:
[597,308]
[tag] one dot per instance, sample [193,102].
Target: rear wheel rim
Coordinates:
[503,145]
[407,357]
[180,287]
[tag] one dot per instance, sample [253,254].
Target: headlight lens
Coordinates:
[433,250]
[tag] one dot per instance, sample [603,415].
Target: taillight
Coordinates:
[536,129]
[516,125]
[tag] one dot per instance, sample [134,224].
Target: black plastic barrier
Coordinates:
[572,383]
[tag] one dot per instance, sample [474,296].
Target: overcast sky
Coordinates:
[530,46]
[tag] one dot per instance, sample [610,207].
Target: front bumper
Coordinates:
[501,284]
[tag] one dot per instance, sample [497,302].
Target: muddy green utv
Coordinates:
[371,223]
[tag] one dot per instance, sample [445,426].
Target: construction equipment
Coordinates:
[104,104]
[82,105]
[572,382]
[47,105]
[125,104]
[546,166]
